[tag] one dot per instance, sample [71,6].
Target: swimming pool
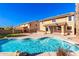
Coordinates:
[30,45]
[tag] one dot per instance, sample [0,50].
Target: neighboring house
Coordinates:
[34,26]
[30,27]
[64,24]
[24,28]
[6,30]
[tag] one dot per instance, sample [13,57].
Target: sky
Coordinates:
[13,14]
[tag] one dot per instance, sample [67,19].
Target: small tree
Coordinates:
[61,52]
[65,52]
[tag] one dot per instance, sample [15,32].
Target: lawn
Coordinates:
[9,35]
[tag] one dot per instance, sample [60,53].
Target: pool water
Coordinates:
[30,45]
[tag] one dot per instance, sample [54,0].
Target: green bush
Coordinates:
[8,35]
[2,35]
[12,35]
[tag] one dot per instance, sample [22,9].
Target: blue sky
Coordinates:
[15,14]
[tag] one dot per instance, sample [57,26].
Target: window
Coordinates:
[36,25]
[59,27]
[46,29]
[53,20]
[30,24]
[69,28]
[70,18]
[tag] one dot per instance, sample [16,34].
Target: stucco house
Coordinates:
[30,27]
[64,24]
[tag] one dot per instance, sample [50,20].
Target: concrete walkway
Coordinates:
[7,53]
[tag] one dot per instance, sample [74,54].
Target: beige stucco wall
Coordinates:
[77,19]
[34,26]
[58,20]
[27,25]
[47,22]
[69,23]
[20,28]
[24,25]
[72,24]
[42,26]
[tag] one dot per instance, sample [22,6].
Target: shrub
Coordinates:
[62,52]
[12,35]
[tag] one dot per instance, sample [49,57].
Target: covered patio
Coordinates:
[60,28]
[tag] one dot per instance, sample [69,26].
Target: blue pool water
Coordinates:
[30,45]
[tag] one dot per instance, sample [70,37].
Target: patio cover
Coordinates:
[56,24]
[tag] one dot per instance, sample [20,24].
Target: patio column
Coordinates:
[72,30]
[49,29]
[62,30]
